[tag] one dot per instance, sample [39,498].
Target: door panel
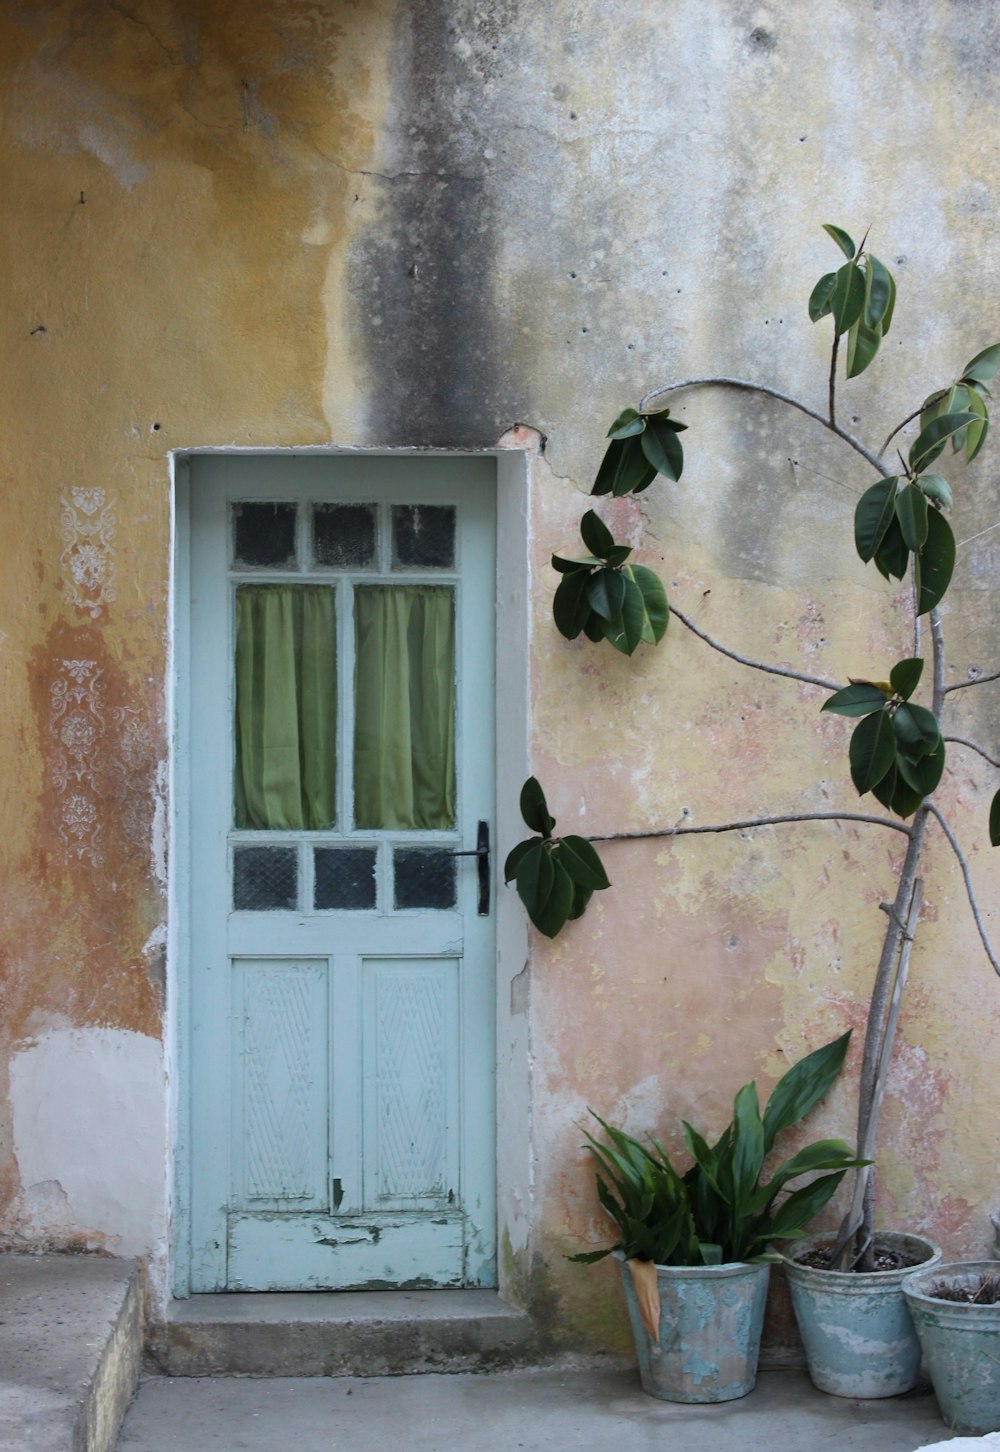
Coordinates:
[341,976]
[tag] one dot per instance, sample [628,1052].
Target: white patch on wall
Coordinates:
[77,724]
[90,1138]
[88,559]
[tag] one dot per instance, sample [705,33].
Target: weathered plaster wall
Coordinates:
[401,224]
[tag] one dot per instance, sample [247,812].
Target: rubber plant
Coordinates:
[897,750]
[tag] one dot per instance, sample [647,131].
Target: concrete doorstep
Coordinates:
[70,1351]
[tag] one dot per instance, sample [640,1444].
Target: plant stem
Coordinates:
[743,826]
[979,681]
[746,660]
[934,398]
[762,388]
[857,1228]
[962,741]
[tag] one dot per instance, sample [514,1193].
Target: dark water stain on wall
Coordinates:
[422,275]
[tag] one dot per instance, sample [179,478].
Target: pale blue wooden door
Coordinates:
[341,1051]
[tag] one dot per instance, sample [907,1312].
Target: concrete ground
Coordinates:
[518,1411]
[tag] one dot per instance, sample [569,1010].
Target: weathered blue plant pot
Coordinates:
[711,1318]
[961,1344]
[858,1335]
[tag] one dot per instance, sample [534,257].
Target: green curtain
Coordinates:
[286,707]
[404,723]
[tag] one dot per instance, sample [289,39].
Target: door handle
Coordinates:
[481,852]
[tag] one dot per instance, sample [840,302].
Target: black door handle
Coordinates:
[481,852]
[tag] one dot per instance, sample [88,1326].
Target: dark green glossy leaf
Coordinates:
[911,511]
[883,790]
[663,448]
[922,776]
[582,863]
[932,439]
[859,700]
[916,729]
[625,631]
[984,365]
[554,915]
[892,556]
[594,627]
[887,320]
[976,433]
[819,299]
[905,676]
[534,879]
[934,404]
[873,514]
[606,593]
[795,1214]
[654,599]
[748,1143]
[535,809]
[872,751]
[628,423]
[803,1086]
[995,820]
[862,345]
[581,897]
[596,535]
[617,555]
[570,606]
[879,292]
[904,801]
[515,856]
[568,566]
[848,297]
[935,563]
[824,1154]
[935,487]
[623,469]
[841,238]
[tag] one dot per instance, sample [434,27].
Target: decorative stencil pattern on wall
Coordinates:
[77,725]
[88,560]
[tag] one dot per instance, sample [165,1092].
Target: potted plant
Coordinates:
[695,1247]
[956,1310]
[897,752]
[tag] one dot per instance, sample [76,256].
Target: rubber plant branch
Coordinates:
[747,386]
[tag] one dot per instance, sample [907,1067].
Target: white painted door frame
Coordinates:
[515,465]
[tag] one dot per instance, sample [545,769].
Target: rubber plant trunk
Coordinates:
[697,1329]
[961,1344]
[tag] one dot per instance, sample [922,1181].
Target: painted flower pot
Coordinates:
[709,1331]
[857,1332]
[961,1343]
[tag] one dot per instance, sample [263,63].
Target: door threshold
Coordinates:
[341,1333]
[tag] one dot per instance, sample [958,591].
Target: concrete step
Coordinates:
[70,1350]
[342,1333]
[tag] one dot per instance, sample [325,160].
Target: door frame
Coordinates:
[515,458]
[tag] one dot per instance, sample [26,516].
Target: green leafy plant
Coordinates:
[606,598]
[897,750]
[644,443]
[556,876]
[718,1211]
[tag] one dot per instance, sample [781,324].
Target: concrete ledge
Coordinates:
[345,1333]
[70,1349]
